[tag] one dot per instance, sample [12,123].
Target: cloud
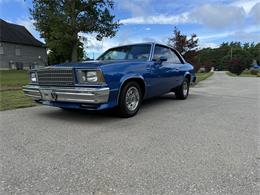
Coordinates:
[255,13]
[215,16]
[218,16]
[215,36]
[136,7]
[207,45]
[250,34]
[159,19]
[28,24]
[92,45]
[148,29]
[247,5]
[246,36]
[212,16]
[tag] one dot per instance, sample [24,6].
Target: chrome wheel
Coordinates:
[132,98]
[182,91]
[185,88]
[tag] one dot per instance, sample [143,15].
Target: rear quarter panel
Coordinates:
[187,69]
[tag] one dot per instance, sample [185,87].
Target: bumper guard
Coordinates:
[75,94]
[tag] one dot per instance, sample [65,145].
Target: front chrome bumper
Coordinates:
[70,94]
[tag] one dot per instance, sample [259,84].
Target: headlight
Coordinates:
[33,77]
[90,76]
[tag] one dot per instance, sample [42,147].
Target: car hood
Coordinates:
[93,64]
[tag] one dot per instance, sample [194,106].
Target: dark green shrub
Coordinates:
[236,66]
[246,71]
[254,71]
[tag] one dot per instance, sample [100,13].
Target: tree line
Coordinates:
[232,56]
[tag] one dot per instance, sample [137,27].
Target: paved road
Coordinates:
[204,145]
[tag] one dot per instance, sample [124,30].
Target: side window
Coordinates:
[163,51]
[115,55]
[176,59]
[139,52]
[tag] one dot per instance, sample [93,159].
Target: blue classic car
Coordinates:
[121,77]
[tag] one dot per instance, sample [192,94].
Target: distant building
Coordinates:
[19,49]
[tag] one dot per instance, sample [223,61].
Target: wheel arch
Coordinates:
[188,76]
[138,79]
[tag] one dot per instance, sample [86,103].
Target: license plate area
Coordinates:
[48,94]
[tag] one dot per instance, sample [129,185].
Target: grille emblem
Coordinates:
[54,95]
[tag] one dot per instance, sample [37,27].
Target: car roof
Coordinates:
[140,43]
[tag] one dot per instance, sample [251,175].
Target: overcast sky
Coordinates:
[214,21]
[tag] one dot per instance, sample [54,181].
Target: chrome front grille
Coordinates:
[55,76]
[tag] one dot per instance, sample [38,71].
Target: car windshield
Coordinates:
[130,52]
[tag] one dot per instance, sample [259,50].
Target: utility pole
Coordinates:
[231,53]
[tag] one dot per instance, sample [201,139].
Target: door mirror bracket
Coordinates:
[160,60]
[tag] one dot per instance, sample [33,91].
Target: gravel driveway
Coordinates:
[207,144]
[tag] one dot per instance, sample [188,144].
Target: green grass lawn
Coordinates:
[11,94]
[242,74]
[203,76]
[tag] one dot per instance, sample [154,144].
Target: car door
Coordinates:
[163,73]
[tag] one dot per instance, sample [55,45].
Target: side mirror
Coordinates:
[163,59]
[160,60]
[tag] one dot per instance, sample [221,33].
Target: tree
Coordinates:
[255,51]
[236,66]
[60,21]
[181,43]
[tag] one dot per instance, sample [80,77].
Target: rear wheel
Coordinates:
[182,91]
[130,99]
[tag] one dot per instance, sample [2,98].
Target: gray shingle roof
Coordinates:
[17,34]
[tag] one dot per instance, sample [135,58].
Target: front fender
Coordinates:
[127,77]
[130,76]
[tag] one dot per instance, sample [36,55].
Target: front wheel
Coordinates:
[182,91]
[130,99]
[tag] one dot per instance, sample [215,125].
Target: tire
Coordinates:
[129,100]
[182,91]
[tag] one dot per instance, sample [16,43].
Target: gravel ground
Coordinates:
[207,144]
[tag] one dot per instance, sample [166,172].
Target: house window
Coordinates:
[1,50]
[17,51]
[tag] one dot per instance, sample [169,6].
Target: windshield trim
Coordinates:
[150,55]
